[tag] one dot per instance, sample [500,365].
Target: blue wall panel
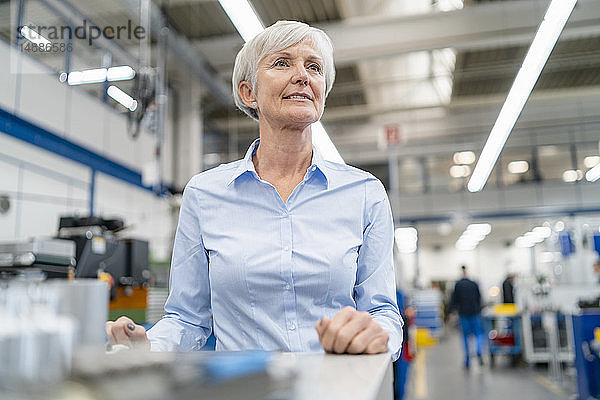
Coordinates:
[24,130]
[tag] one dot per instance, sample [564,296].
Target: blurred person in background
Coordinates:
[466,299]
[282,250]
[508,288]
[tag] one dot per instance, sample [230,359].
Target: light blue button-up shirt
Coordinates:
[266,270]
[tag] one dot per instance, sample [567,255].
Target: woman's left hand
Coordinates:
[352,331]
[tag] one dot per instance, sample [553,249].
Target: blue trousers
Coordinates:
[471,325]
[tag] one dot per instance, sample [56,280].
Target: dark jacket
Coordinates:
[508,291]
[466,297]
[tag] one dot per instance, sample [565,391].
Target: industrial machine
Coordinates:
[102,251]
[43,257]
[502,322]
[87,247]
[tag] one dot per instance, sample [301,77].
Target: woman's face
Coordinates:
[290,86]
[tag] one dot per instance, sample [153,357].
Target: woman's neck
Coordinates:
[283,153]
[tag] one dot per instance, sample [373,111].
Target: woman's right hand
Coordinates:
[124,331]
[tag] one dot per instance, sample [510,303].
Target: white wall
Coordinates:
[34,93]
[42,185]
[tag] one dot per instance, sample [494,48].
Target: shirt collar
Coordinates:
[246,164]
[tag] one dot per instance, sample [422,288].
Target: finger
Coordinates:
[358,322]
[378,344]
[118,330]
[318,327]
[129,327]
[321,326]
[331,331]
[361,341]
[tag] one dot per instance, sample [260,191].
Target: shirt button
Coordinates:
[286,248]
[287,286]
[313,168]
[292,327]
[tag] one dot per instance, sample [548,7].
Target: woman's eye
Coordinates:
[281,63]
[315,67]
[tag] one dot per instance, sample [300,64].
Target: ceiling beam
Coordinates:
[185,52]
[494,24]
[488,25]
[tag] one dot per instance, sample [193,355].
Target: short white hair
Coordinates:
[277,37]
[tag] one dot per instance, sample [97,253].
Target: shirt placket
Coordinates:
[289,302]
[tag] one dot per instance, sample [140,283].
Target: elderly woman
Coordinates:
[283,250]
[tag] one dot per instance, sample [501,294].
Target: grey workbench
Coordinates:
[356,377]
[137,375]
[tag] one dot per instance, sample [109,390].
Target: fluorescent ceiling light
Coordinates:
[518,167]
[406,239]
[99,75]
[533,237]
[120,73]
[483,229]
[464,157]
[460,171]
[572,175]
[543,231]
[34,37]
[545,38]
[462,246]
[322,141]
[471,237]
[244,18]
[522,241]
[591,161]
[247,23]
[406,233]
[593,174]
[122,98]
[88,76]
[449,5]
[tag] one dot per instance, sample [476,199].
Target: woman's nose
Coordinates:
[300,76]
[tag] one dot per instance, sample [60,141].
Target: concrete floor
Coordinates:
[438,373]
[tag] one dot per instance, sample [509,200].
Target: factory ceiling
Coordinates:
[439,70]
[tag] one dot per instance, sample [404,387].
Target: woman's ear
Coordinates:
[247,94]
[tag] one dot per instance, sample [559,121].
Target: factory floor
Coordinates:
[438,373]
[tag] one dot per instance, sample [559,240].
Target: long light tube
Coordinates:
[322,141]
[122,98]
[120,73]
[99,75]
[243,17]
[593,174]
[545,38]
[96,75]
[34,37]
[247,23]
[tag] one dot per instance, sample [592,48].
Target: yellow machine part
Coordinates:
[424,338]
[505,310]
